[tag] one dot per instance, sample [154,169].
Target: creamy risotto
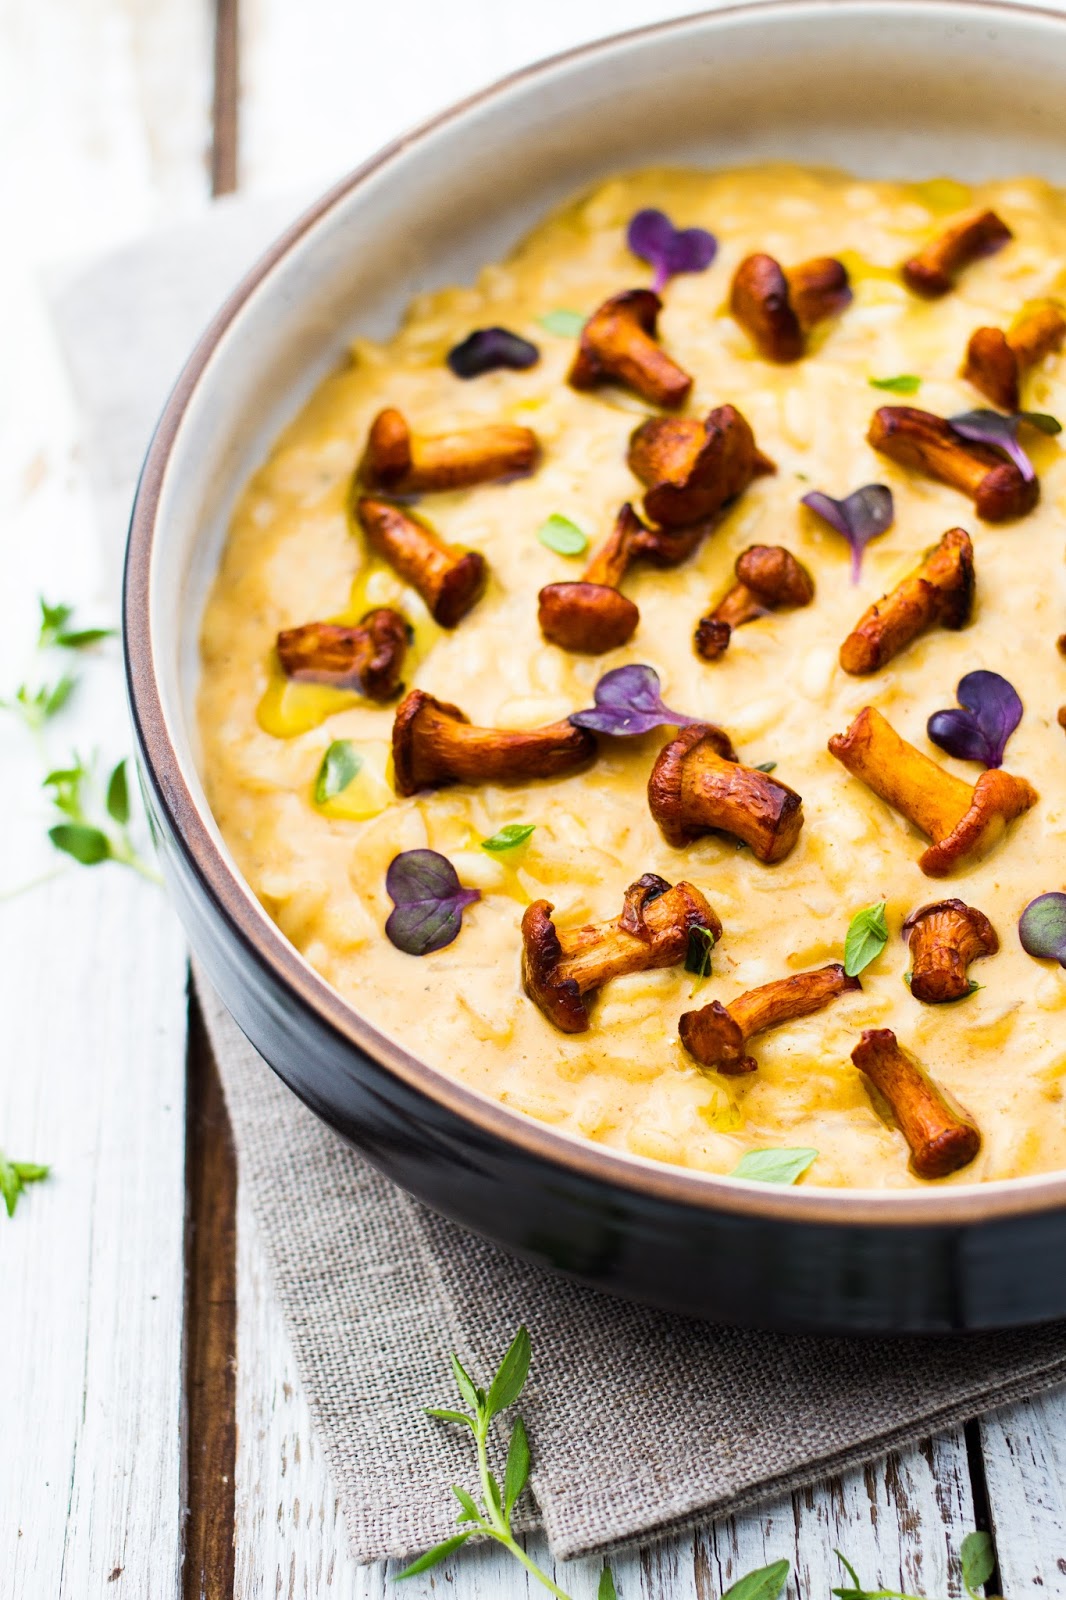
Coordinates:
[316,844]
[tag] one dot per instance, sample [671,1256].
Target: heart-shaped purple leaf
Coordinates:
[991,710]
[861,516]
[652,236]
[429,901]
[628,702]
[486,349]
[1042,928]
[992,428]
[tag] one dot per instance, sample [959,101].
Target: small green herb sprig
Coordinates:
[977,1560]
[14,1176]
[86,835]
[38,704]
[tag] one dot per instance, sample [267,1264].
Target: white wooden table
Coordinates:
[138,1458]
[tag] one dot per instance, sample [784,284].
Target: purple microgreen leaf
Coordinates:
[991,710]
[486,349]
[860,517]
[1042,928]
[1041,422]
[652,236]
[628,702]
[998,432]
[429,901]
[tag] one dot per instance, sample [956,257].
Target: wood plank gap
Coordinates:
[226,98]
[211,1327]
[982,1506]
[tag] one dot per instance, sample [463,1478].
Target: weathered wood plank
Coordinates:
[1025,1470]
[109,100]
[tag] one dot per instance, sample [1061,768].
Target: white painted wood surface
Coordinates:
[104,107]
[103,113]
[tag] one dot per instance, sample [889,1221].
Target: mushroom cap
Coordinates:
[415,705]
[588,618]
[773,574]
[760,301]
[559,999]
[461,588]
[716,1040]
[667,776]
[992,366]
[998,798]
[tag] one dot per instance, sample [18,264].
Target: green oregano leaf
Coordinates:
[118,795]
[765,1583]
[515,833]
[510,1380]
[567,324]
[906,383]
[516,1472]
[340,765]
[558,533]
[866,938]
[88,846]
[698,958]
[774,1166]
[978,1559]
[433,1558]
[606,1590]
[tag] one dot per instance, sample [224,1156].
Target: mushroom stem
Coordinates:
[398,461]
[691,469]
[450,581]
[717,1035]
[368,657]
[769,578]
[996,362]
[915,438]
[938,593]
[777,307]
[618,345]
[943,939]
[434,743]
[699,786]
[591,616]
[941,1137]
[654,929]
[933,270]
[962,822]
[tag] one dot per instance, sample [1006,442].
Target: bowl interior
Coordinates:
[913,88]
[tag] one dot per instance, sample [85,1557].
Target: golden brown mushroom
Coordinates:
[433,744]
[718,1035]
[591,616]
[996,361]
[769,578]
[937,594]
[941,1137]
[1061,719]
[778,307]
[691,469]
[560,970]
[698,786]
[943,939]
[368,657]
[450,581]
[618,345]
[932,272]
[962,822]
[401,463]
[919,439]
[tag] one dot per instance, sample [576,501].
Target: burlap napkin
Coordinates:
[643,1424]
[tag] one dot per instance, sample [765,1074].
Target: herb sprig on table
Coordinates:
[14,1176]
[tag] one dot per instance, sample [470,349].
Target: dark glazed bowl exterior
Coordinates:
[943,1259]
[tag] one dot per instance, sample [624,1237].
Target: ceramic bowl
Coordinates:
[915,88]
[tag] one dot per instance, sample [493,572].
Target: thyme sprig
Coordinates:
[93,833]
[14,1176]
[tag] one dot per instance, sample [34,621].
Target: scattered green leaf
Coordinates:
[14,1176]
[906,383]
[433,1558]
[89,846]
[765,1583]
[510,1380]
[470,1512]
[857,1590]
[517,1470]
[606,1590]
[40,705]
[766,766]
[558,533]
[340,764]
[978,1560]
[54,634]
[1041,421]
[774,1166]
[118,795]
[866,937]
[508,838]
[698,958]
[567,324]
[85,837]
